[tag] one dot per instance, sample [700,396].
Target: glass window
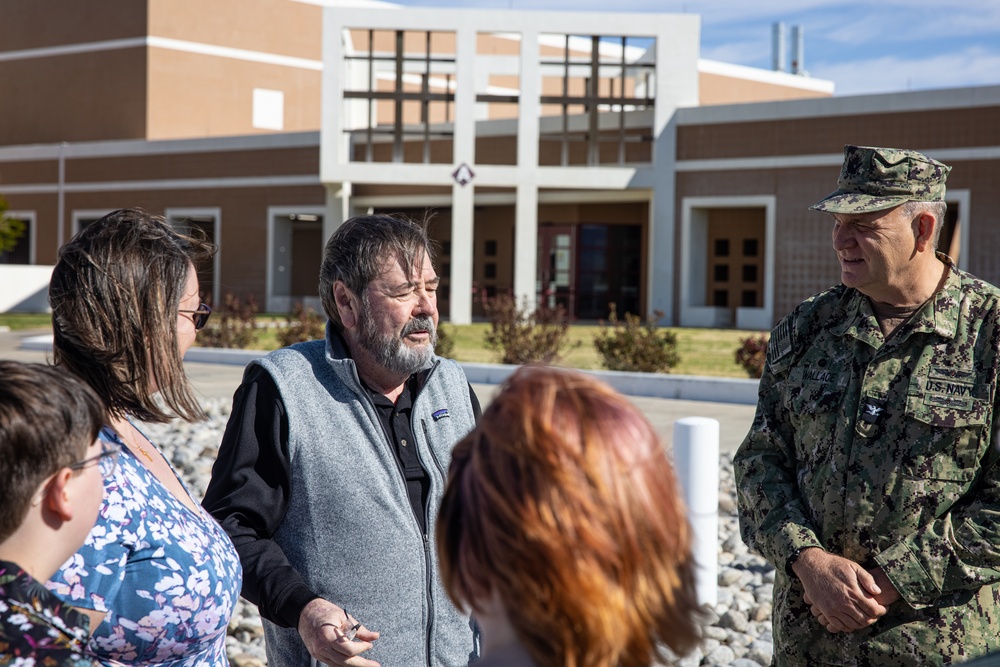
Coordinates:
[21,252]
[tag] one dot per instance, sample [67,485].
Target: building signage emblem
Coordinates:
[463,174]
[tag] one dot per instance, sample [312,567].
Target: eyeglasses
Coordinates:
[349,629]
[200,316]
[108,449]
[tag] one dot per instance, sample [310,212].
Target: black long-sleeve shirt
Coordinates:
[250,486]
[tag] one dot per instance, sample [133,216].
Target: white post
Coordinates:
[696,458]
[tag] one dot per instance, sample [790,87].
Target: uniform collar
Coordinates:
[939,315]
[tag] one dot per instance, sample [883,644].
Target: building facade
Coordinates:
[580,159]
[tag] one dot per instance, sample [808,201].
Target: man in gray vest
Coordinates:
[333,463]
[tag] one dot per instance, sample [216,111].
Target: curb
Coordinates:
[653,385]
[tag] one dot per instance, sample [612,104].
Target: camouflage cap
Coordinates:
[874,179]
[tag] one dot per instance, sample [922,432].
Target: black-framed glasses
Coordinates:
[200,316]
[108,449]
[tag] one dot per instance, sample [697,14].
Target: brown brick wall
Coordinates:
[28,171]
[805,262]
[29,24]
[230,164]
[981,177]
[244,222]
[80,97]
[951,128]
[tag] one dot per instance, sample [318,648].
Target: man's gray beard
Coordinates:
[389,350]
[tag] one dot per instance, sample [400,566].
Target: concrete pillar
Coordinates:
[676,86]
[526,203]
[463,196]
[338,209]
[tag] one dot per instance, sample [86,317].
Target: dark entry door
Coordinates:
[608,270]
[586,267]
[556,277]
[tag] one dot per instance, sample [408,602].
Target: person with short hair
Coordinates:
[51,485]
[158,576]
[333,463]
[562,530]
[870,476]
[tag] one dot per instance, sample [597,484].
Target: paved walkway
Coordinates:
[221,380]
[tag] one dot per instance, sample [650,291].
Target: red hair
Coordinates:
[563,502]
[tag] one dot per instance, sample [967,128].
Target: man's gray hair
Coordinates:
[357,252]
[937,208]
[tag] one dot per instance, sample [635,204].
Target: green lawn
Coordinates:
[25,320]
[702,351]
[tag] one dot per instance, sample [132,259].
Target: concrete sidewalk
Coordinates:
[220,380]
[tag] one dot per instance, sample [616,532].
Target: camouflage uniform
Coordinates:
[881,451]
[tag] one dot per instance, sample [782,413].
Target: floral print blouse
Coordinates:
[167,577]
[36,627]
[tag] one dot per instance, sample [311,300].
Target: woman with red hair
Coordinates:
[562,530]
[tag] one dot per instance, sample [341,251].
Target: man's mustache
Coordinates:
[424,323]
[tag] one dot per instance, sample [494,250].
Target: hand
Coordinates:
[840,593]
[889,593]
[322,626]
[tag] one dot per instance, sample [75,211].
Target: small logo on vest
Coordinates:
[438,415]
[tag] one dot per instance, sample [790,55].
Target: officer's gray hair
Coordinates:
[936,208]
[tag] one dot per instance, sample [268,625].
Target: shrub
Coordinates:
[233,325]
[302,325]
[445,346]
[752,353]
[634,345]
[524,337]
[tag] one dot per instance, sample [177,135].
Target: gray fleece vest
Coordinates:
[349,528]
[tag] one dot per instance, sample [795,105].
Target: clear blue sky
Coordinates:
[865,46]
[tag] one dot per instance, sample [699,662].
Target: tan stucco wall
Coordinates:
[719,89]
[192,95]
[279,27]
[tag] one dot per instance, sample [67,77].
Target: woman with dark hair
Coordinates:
[562,529]
[157,575]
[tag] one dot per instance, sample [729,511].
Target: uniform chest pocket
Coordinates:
[945,427]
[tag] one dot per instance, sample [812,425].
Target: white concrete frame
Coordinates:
[694,269]
[964,200]
[88,213]
[176,215]
[677,44]
[282,303]
[32,218]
